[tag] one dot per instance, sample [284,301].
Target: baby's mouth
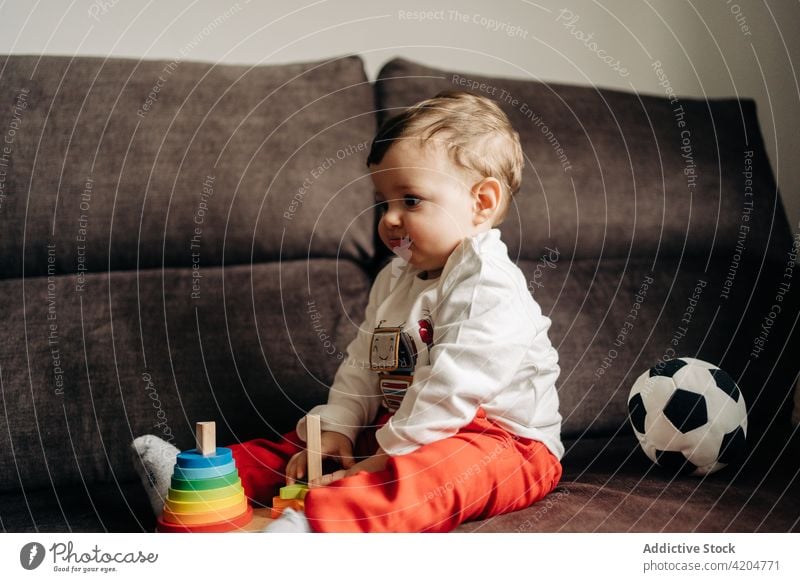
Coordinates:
[401,247]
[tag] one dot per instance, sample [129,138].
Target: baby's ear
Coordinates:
[488,195]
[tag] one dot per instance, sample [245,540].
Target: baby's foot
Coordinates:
[154,461]
[290,521]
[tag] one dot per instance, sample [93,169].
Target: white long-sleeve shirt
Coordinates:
[489,349]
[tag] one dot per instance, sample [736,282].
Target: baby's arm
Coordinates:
[354,397]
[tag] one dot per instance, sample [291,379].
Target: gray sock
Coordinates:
[290,521]
[154,460]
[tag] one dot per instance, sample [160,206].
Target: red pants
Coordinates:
[479,472]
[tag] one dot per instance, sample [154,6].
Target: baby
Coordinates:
[448,391]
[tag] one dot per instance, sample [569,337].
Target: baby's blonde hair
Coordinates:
[476,133]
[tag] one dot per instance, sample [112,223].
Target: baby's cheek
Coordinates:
[382,232]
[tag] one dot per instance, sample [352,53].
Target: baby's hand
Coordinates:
[373,464]
[334,446]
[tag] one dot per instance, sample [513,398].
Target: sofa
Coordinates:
[190,241]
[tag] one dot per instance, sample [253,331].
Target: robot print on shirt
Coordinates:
[393,354]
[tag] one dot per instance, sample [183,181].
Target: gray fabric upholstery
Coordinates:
[247,155]
[139,356]
[613,319]
[93,507]
[610,486]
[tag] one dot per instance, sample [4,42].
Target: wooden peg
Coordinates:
[206,434]
[314,446]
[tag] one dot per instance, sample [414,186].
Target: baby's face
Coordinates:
[423,195]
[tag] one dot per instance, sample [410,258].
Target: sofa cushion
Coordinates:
[614,174]
[135,353]
[123,164]
[614,319]
[89,507]
[610,486]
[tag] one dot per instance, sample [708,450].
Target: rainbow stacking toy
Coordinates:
[206,493]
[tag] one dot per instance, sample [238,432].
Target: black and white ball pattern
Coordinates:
[689,416]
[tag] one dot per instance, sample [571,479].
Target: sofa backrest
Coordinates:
[612,174]
[121,164]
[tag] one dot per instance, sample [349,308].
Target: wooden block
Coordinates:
[296,491]
[206,435]
[314,446]
[278,503]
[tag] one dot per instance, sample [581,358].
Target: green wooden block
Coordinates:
[296,491]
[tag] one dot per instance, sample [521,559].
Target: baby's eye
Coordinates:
[411,201]
[381,206]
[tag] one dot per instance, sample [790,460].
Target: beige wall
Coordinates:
[704,49]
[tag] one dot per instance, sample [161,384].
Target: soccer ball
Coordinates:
[689,416]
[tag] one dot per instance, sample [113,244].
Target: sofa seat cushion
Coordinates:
[610,486]
[154,351]
[97,507]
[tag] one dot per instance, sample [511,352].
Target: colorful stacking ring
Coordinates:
[193,459]
[204,472]
[183,507]
[205,484]
[206,495]
[204,517]
[213,527]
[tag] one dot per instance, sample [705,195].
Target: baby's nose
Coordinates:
[391,217]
